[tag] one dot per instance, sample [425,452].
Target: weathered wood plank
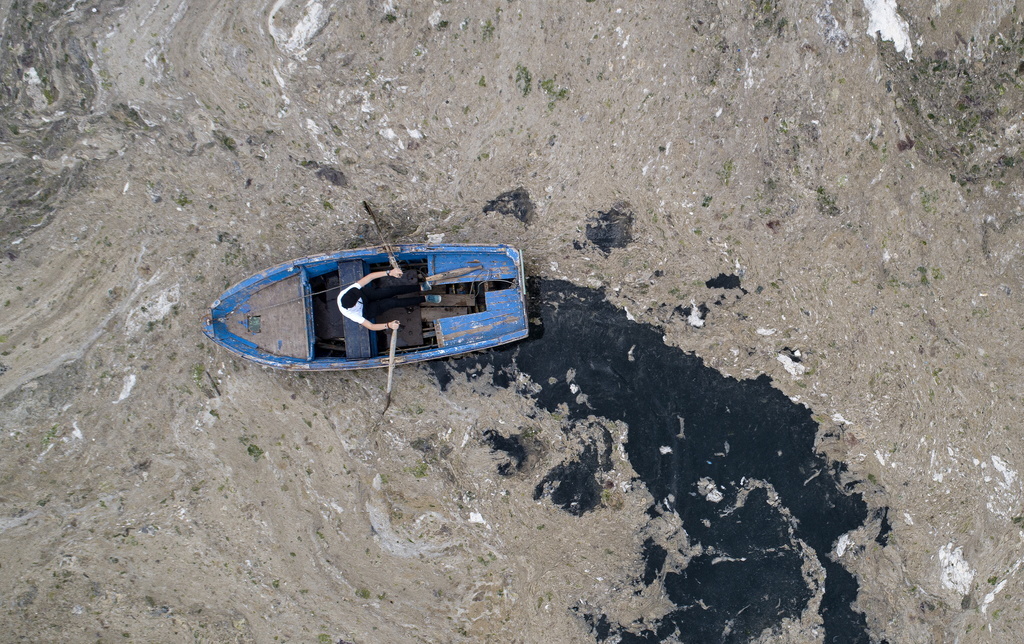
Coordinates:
[282,319]
[432,313]
[359,341]
[500,317]
[411,332]
[460,299]
[493,266]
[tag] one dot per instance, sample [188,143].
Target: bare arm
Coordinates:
[380,327]
[395,272]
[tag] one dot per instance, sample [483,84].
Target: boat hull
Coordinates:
[284,318]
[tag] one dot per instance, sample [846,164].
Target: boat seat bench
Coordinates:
[359,341]
[327,318]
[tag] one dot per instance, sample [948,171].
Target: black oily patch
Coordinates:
[686,311]
[654,561]
[611,229]
[688,422]
[885,529]
[599,625]
[328,173]
[514,202]
[332,175]
[728,567]
[573,485]
[513,448]
[724,281]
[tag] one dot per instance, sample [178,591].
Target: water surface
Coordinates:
[735,460]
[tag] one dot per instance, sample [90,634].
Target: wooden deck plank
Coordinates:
[493,266]
[282,319]
[359,341]
[457,299]
[411,332]
[500,317]
[433,313]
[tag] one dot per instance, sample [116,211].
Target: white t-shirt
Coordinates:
[356,312]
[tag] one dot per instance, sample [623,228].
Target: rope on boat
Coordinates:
[486,277]
[300,298]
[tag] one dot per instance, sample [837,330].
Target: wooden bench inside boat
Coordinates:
[360,342]
[328,322]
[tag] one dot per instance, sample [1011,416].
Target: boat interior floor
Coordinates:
[417,320]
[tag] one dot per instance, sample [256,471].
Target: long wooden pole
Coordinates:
[391,366]
[394,332]
[438,278]
[387,246]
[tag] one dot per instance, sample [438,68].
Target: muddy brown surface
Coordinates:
[155,488]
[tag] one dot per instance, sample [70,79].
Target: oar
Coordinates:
[438,278]
[387,246]
[391,367]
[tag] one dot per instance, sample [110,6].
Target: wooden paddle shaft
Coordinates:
[387,246]
[391,359]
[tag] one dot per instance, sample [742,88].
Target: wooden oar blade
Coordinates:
[440,278]
[391,367]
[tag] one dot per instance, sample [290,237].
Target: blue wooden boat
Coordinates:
[287,316]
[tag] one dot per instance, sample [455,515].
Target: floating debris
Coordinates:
[956,573]
[695,315]
[885,23]
[126,389]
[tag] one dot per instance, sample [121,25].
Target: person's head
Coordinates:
[349,299]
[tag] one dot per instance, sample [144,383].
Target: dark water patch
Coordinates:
[723,298]
[332,175]
[885,529]
[734,460]
[516,203]
[443,374]
[752,537]
[573,485]
[724,281]
[512,446]
[534,312]
[599,624]
[654,561]
[27,598]
[431,450]
[611,229]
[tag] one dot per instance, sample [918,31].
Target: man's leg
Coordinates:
[375,307]
[372,293]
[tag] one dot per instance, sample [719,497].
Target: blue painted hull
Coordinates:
[275,319]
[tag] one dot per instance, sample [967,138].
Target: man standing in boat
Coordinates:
[362,300]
